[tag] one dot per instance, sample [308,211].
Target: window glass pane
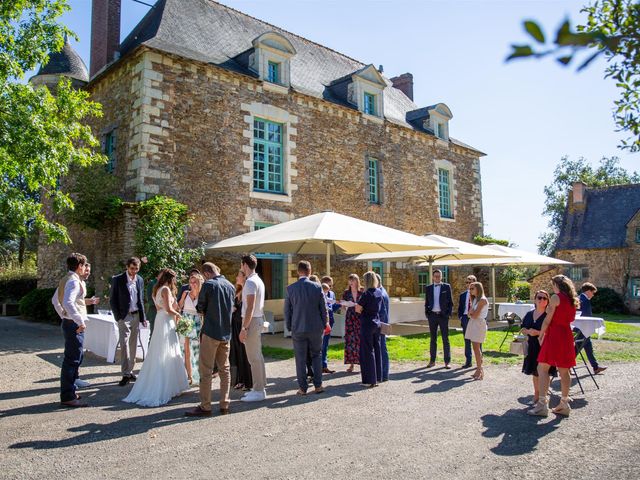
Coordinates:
[369,104]
[378,267]
[267,156]
[110,151]
[444,193]
[372,173]
[637,235]
[423,281]
[274,72]
[635,287]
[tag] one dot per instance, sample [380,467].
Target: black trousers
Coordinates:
[73,353]
[439,320]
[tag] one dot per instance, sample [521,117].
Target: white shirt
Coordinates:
[72,292]
[466,303]
[133,293]
[436,298]
[253,286]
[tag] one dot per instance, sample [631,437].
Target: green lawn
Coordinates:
[620,343]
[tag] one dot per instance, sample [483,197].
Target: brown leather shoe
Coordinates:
[326,370]
[431,364]
[319,389]
[301,392]
[599,370]
[224,411]
[74,404]
[198,412]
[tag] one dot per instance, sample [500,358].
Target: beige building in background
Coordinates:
[251,125]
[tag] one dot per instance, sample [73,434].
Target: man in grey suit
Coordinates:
[305,314]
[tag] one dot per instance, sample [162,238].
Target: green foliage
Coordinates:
[94,199]
[612,30]
[37,306]
[489,240]
[161,236]
[607,300]
[16,283]
[522,290]
[607,173]
[42,135]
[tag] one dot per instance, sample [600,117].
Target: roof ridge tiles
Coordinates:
[287,31]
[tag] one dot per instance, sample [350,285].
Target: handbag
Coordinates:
[385,328]
[519,347]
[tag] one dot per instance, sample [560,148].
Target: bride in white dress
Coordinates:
[162,375]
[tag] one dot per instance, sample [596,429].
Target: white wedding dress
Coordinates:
[162,375]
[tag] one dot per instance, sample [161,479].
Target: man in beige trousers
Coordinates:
[215,302]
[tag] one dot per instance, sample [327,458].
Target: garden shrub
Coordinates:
[608,300]
[36,305]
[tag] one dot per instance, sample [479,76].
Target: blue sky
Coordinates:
[525,115]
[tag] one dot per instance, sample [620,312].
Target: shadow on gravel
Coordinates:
[442,380]
[520,432]
[98,432]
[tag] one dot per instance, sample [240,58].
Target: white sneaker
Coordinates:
[81,383]
[254,396]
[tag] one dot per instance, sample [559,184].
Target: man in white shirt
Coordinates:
[74,313]
[251,333]
[57,305]
[464,305]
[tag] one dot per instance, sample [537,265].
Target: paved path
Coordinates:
[422,424]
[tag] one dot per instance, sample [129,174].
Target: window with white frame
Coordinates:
[444,193]
[268,162]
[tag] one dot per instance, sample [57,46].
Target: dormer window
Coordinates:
[270,59]
[438,120]
[369,103]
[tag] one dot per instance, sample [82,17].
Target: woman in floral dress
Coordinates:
[352,323]
[190,344]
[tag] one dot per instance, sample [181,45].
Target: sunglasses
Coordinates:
[541,298]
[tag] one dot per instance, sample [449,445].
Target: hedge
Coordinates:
[36,305]
[607,300]
[14,287]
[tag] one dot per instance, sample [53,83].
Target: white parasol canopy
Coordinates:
[326,233]
[513,257]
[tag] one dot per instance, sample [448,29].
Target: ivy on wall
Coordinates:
[161,237]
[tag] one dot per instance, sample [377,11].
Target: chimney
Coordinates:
[576,196]
[105,33]
[404,83]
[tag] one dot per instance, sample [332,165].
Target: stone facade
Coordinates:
[184,129]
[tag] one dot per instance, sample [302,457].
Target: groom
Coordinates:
[127,304]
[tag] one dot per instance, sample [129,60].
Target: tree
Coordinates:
[41,136]
[612,30]
[607,173]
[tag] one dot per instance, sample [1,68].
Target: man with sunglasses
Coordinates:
[464,305]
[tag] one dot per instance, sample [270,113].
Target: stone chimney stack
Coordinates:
[105,33]
[404,83]
[577,201]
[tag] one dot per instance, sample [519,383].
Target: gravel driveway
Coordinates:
[422,424]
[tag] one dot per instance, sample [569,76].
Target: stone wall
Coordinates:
[184,129]
[611,268]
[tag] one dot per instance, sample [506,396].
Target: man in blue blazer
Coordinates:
[464,306]
[438,307]
[127,305]
[305,314]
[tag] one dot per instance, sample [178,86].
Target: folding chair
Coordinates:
[512,320]
[578,340]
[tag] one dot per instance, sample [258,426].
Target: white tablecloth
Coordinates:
[101,337]
[520,309]
[589,325]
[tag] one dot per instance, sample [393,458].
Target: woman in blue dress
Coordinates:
[531,325]
[369,307]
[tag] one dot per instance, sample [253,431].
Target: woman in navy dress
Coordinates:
[531,325]
[369,307]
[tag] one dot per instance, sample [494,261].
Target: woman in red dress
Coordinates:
[556,345]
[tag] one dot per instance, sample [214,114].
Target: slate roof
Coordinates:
[210,32]
[604,220]
[66,62]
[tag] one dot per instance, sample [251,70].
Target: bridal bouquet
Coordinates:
[184,326]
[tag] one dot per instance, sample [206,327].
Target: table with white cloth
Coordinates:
[589,325]
[520,309]
[101,337]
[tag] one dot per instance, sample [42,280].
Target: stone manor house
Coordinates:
[600,234]
[251,125]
